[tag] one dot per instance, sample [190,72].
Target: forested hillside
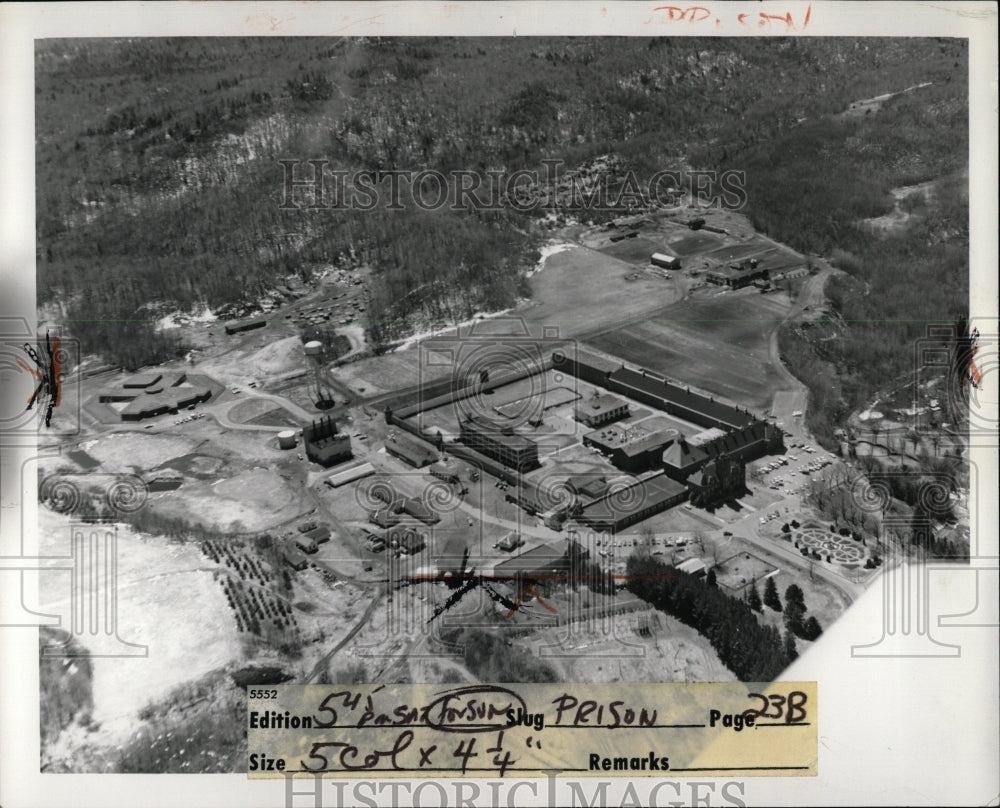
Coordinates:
[158,176]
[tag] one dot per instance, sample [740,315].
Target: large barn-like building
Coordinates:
[410,452]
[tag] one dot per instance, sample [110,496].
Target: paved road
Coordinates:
[324,661]
[749,531]
[812,295]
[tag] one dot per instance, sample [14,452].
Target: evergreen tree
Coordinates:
[710,579]
[794,614]
[812,629]
[771,597]
[753,598]
[921,533]
[791,652]
[794,594]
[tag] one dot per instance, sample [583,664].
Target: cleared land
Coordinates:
[186,636]
[623,652]
[581,290]
[695,243]
[634,250]
[718,344]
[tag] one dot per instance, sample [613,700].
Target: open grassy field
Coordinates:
[737,252]
[694,242]
[718,344]
[634,250]
[581,290]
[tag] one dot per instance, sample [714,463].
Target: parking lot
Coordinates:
[790,473]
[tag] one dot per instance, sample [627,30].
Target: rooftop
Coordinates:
[654,490]
[684,397]
[539,557]
[706,436]
[500,433]
[604,402]
[597,361]
[410,450]
[680,454]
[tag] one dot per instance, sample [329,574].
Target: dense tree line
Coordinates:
[165,180]
[66,691]
[753,652]
[898,286]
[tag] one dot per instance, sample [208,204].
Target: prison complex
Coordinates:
[664,467]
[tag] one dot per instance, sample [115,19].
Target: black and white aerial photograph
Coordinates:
[516,359]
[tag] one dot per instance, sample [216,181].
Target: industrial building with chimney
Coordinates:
[325,444]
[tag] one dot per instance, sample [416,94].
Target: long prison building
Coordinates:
[745,435]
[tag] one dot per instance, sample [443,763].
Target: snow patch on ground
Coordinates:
[548,250]
[415,339]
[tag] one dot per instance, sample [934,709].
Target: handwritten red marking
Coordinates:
[542,603]
[677,13]
[30,370]
[56,369]
[973,370]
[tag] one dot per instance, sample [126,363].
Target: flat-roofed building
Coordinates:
[600,409]
[410,452]
[545,563]
[622,508]
[632,448]
[325,444]
[499,442]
